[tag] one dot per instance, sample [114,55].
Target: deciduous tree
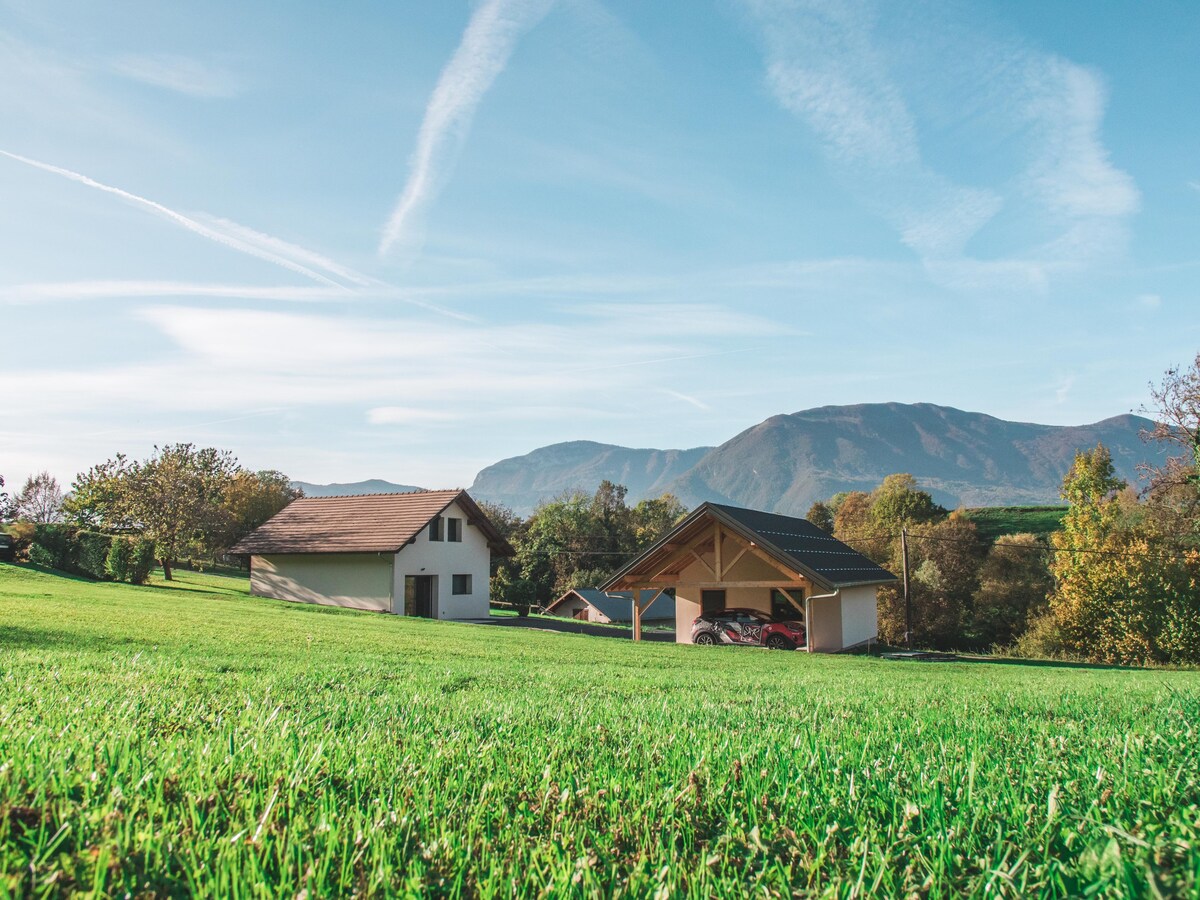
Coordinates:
[251,498]
[177,496]
[40,500]
[654,517]
[8,509]
[821,515]
[1123,594]
[1014,584]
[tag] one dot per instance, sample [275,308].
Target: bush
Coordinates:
[142,562]
[120,559]
[71,550]
[40,556]
[21,534]
[57,545]
[91,554]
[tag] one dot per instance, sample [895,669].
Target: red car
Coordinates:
[747,627]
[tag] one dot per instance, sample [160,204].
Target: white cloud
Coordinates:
[285,250]
[243,240]
[481,56]
[181,74]
[686,398]
[1149,301]
[1063,390]
[108,290]
[215,360]
[831,64]
[407,415]
[1072,172]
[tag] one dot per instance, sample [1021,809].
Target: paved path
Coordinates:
[573,626]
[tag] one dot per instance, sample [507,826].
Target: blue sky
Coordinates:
[406,240]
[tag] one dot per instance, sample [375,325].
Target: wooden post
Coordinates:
[907,596]
[637,614]
[717,570]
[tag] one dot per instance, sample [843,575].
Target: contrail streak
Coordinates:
[213,234]
[481,56]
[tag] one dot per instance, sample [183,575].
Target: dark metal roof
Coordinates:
[795,543]
[808,547]
[617,606]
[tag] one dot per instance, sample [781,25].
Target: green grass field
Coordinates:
[192,740]
[992,522]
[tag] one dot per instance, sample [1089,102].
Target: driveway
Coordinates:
[572,626]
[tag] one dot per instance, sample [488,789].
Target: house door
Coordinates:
[418,596]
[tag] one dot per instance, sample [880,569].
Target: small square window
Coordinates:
[435,528]
[461,584]
[454,530]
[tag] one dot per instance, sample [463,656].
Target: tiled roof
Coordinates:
[363,523]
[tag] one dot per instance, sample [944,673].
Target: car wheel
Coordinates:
[705,638]
[778,642]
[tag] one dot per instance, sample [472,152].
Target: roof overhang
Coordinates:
[693,527]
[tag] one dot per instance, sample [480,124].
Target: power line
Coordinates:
[1041,548]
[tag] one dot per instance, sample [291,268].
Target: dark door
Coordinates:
[711,602]
[418,596]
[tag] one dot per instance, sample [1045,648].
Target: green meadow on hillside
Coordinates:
[193,740]
[992,522]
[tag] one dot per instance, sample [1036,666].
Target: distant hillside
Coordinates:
[371,486]
[523,481]
[788,461]
[992,522]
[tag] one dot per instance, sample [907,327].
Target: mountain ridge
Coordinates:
[787,461]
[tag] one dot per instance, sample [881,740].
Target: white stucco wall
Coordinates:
[860,615]
[471,556]
[825,625]
[352,580]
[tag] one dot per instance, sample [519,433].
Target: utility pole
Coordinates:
[907,596]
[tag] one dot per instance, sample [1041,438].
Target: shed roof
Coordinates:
[795,543]
[617,606]
[362,523]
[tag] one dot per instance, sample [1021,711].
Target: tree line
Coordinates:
[575,540]
[186,502]
[1118,583]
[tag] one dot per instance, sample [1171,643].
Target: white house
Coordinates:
[424,553]
[724,557]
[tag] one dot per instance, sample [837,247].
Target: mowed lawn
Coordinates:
[193,740]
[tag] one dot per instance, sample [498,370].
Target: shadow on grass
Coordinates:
[46,570]
[1051,663]
[14,637]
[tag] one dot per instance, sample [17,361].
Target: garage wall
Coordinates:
[860,616]
[352,580]
[748,568]
[825,625]
[471,556]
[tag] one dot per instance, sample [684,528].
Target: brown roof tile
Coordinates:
[366,523]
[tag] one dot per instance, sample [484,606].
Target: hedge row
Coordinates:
[91,554]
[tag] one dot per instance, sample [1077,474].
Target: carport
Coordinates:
[723,557]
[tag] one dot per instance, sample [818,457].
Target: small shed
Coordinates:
[722,557]
[594,605]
